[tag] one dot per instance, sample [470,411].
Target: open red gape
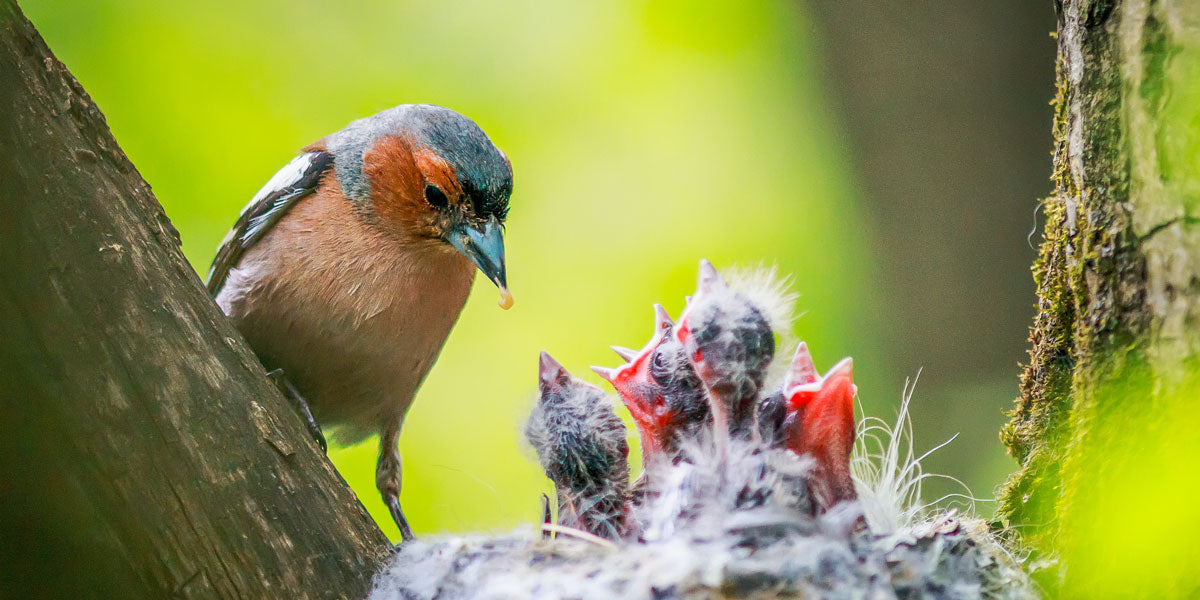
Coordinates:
[725,344]
[824,423]
[640,393]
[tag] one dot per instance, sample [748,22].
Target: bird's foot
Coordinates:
[300,405]
[393,504]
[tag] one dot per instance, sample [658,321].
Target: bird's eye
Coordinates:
[658,366]
[435,197]
[660,361]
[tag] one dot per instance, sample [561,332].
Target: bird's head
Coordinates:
[579,440]
[660,389]
[729,341]
[822,426]
[429,176]
[777,417]
[827,402]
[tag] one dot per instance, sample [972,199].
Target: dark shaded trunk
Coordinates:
[143,453]
[944,107]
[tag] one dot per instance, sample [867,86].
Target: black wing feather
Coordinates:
[293,182]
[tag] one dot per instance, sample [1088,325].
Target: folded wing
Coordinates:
[293,182]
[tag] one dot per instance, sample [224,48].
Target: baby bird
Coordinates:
[814,415]
[581,445]
[730,345]
[348,269]
[821,424]
[775,421]
[660,389]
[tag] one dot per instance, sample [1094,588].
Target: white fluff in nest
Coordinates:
[888,475]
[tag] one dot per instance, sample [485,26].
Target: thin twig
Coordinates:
[578,533]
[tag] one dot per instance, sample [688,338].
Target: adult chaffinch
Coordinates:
[346,272]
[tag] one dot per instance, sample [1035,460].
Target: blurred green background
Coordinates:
[888,159]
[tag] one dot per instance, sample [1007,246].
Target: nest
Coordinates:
[747,490]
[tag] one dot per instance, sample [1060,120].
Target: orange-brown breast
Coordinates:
[355,316]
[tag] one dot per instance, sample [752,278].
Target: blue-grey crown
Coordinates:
[481,169]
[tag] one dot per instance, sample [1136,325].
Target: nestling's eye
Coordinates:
[435,197]
[658,367]
[659,361]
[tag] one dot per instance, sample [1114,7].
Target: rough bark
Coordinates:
[144,454]
[1115,341]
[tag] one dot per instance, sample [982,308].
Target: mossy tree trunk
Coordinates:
[143,451]
[1103,429]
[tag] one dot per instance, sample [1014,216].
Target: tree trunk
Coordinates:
[1102,428]
[143,454]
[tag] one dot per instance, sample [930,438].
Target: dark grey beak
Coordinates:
[485,248]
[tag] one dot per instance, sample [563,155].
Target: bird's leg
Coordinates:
[547,516]
[387,476]
[300,405]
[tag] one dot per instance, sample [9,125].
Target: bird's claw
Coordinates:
[406,532]
[300,405]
